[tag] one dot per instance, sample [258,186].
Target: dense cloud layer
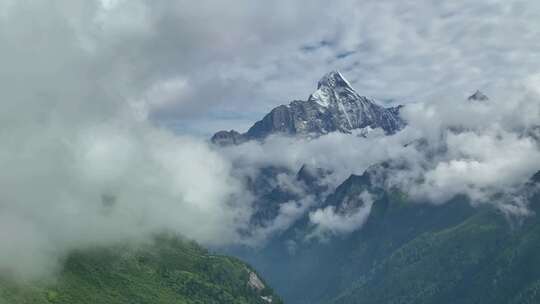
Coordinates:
[81,164]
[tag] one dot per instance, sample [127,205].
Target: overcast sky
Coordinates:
[83,85]
[207,65]
[224,65]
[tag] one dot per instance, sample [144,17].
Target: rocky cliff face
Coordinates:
[334,106]
[225,138]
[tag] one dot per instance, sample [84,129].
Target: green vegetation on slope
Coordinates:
[169,271]
[484,259]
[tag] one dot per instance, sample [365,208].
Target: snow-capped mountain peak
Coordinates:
[334,106]
[333,79]
[330,88]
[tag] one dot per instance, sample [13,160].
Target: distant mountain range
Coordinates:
[334,106]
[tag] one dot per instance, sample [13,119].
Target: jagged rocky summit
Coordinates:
[478,96]
[334,106]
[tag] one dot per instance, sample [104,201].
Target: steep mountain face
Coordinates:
[334,106]
[169,271]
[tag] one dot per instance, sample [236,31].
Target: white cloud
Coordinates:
[329,220]
[80,168]
[289,212]
[479,165]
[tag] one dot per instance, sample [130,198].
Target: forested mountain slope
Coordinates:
[168,271]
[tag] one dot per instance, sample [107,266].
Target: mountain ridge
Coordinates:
[334,106]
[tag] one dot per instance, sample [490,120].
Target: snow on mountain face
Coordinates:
[351,111]
[334,106]
[328,86]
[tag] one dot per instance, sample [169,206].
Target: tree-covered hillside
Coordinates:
[168,271]
[480,260]
[488,257]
